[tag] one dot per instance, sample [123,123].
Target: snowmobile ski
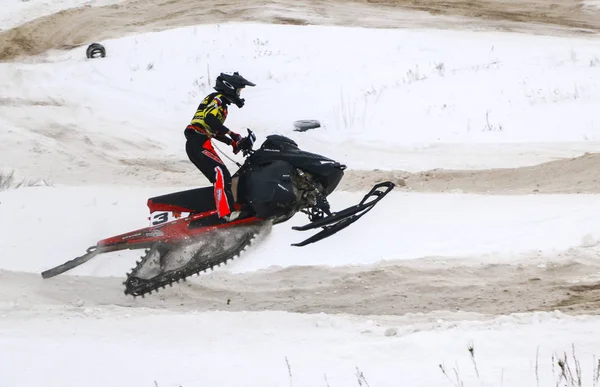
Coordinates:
[337,221]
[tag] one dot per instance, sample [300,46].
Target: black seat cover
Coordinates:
[193,200]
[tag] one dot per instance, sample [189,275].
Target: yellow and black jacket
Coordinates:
[209,118]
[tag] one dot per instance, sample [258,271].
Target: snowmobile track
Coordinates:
[136,286]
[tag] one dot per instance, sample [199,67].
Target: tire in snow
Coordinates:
[94,50]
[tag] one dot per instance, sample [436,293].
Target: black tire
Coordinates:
[304,125]
[94,50]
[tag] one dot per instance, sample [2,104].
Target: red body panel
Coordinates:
[171,231]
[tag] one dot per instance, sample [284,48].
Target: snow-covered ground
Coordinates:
[16,12]
[391,99]
[122,347]
[592,3]
[388,99]
[414,89]
[65,221]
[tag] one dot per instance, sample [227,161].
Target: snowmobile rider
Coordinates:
[207,124]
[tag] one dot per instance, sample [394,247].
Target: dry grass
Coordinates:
[566,370]
[8,181]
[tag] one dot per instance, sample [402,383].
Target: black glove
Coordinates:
[247,142]
[242,143]
[234,136]
[236,147]
[235,142]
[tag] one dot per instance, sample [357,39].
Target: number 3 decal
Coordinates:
[160,218]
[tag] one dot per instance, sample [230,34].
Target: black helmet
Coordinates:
[231,86]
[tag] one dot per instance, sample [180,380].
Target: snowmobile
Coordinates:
[186,236]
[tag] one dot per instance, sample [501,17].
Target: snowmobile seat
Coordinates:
[194,200]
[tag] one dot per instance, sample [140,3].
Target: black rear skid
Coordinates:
[337,221]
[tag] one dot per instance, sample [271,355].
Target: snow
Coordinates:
[402,226]
[255,349]
[389,99]
[591,3]
[16,12]
[510,97]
